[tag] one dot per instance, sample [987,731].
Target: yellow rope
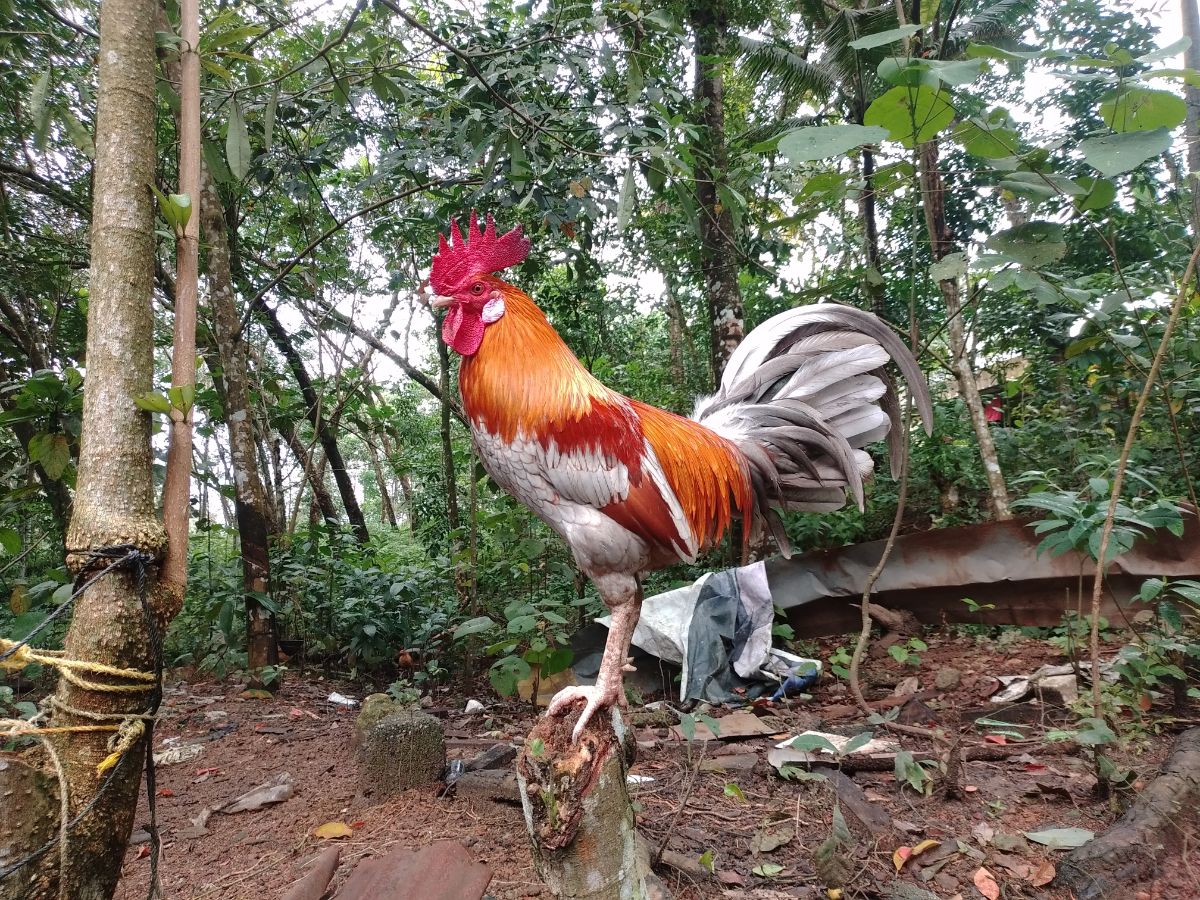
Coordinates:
[23,655]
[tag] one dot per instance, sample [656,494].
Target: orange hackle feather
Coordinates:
[526,383]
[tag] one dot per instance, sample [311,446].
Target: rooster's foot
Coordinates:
[595,698]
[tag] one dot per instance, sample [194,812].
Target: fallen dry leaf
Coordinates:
[995,739]
[986,884]
[332,830]
[730,878]
[900,857]
[925,846]
[1043,874]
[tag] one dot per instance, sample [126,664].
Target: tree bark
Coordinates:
[718,243]
[866,209]
[114,503]
[177,488]
[312,405]
[933,197]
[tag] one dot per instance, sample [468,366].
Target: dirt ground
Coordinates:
[718,803]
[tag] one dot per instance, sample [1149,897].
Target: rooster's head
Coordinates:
[461,279]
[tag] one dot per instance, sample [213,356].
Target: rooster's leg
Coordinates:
[609,689]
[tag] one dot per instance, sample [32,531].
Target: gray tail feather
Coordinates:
[802,395]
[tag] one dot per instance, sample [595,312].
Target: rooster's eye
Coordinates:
[477,288]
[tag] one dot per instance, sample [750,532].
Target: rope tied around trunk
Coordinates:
[16,655]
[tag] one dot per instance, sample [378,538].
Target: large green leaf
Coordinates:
[52,452]
[820,141]
[955,72]
[1114,154]
[1142,109]
[881,38]
[980,138]
[911,115]
[237,143]
[1033,244]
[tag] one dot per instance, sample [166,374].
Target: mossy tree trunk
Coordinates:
[114,503]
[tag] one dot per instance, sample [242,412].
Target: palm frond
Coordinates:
[998,21]
[794,75]
[770,130]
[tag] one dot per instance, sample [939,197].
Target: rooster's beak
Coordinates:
[438,302]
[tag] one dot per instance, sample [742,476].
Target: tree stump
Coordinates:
[577,810]
[28,820]
[396,748]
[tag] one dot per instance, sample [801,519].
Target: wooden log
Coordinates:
[1110,866]
[578,813]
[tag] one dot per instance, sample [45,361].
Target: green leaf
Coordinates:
[1033,244]
[767,870]
[39,111]
[1168,52]
[810,743]
[949,267]
[987,51]
[815,142]
[1061,838]
[184,396]
[1094,733]
[237,143]
[1113,154]
[269,120]
[881,38]
[712,724]
[1142,109]
[505,673]
[931,72]
[52,451]
[80,136]
[175,208]
[625,202]
[707,860]
[911,115]
[857,742]
[153,401]
[986,141]
[732,790]
[10,541]
[478,625]
[1098,193]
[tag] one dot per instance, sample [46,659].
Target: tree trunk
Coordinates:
[176,496]
[387,512]
[866,209]
[577,811]
[251,508]
[448,473]
[320,424]
[718,242]
[113,513]
[933,192]
[1191,59]
[315,477]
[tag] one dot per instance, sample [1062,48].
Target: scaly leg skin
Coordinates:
[609,689]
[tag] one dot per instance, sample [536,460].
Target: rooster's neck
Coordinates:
[524,376]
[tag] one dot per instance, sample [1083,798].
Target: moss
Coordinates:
[398,749]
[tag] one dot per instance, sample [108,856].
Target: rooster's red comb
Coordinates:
[480,253]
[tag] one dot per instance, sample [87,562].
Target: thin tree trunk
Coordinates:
[387,512]
[933,192]
[315,479]
[251,508]
[676,329]
[114,504]
[177,488]
[320,424]
[718,243]
[448,472]
[278,495]
[866,209]
[1191,58]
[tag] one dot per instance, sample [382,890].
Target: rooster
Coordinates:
[632,488]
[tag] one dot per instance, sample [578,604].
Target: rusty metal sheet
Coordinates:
[441,871]
[993,563]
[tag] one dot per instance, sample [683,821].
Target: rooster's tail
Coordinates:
[801,396]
